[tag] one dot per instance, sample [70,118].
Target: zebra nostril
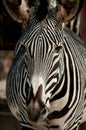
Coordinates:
[28,11]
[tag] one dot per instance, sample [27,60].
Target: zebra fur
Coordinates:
[46,84]
[50,61]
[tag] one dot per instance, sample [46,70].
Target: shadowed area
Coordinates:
[7,120]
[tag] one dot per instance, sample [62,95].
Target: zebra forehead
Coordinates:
[48,28]
[47,31]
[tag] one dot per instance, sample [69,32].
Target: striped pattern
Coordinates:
[49,63]
[74,24]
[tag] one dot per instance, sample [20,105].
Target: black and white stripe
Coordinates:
[55,61]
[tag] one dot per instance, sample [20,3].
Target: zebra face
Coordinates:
[41,78]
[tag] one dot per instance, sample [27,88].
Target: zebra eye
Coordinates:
[58,49]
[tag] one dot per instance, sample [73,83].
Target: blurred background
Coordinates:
[10,32]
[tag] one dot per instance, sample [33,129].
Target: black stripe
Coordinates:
[58,114]
[62,92]
[54,126]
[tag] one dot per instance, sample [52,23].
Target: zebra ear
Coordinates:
[18,10]
[68,9]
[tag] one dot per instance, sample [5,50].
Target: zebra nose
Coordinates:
[39,92]
[28,10]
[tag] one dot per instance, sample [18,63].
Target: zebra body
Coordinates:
[46,85]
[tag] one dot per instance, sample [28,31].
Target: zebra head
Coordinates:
[41,79]
[43,56]
[38,68]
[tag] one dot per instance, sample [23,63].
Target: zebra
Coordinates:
[46,84]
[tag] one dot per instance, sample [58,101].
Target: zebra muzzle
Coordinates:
[37,111]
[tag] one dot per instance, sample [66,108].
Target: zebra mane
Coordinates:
[42,9]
